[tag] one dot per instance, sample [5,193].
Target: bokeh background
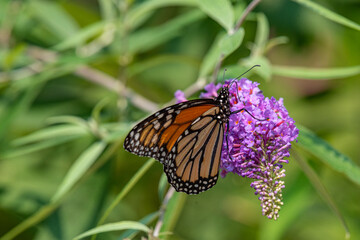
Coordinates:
[74,72]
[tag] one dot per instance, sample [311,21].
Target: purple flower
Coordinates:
[180,96]
[211,90]
[256,147]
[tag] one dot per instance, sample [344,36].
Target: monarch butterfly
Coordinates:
[187,138]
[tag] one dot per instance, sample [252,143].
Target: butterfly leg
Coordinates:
[226,138]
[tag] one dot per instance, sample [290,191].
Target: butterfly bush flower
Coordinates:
[180,96]
[211,90]
[258,145]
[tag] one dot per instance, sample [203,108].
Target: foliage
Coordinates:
[76,75]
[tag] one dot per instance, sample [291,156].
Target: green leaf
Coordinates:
[38,146]
[12,56]
[262,35]
[234,70]
[95,114]
[316,73]
[275,42]
[108,9]
[63,65]
[223,45]
[50,133]
[320,188]
[67,119]
[151,62]
[172,213]
[220,10]
[5,6]
[163,183]
[326,153]
[79,167]
[82,36]
[116,131]
[17,104]
[129,185]
[229,43]
[265,69]
[55,18]
[114,227]
[149,38]
[137,14]
[329,14]
[145,220]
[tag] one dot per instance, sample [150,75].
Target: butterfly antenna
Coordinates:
[224,74]
[247,71]
[239,79]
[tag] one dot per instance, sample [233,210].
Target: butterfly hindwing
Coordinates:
[192,166]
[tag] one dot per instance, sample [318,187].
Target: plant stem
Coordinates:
[162,210]
[125,190]
[248,9]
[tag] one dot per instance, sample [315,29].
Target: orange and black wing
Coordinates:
[185,137]
[192,166]
[156,135]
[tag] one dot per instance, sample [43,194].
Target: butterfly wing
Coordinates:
[193,164]
[155,136]
[187,138]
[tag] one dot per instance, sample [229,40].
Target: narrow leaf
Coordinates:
[326,153]
[108,9]
[56,19]
[138,175]
[115,132]
[163,183]
[82,36]
[49,133]
[316,73]
[16,152]
[220,10]
[149,38]
[16,106]
[265,69]
[329,14]
[262,35]
[67,119]
[223,45]
[173,210]
[145,220]
[80,166]
[275,42]
[63,66]
[229,43]
[137,14]
[114,227]
[320,188]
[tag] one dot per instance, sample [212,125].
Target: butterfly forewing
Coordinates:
[155,135]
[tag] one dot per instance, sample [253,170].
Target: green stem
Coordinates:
[125,190]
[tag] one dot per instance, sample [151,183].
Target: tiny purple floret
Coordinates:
[180,96]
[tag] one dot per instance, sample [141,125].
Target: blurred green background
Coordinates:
[73,73]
